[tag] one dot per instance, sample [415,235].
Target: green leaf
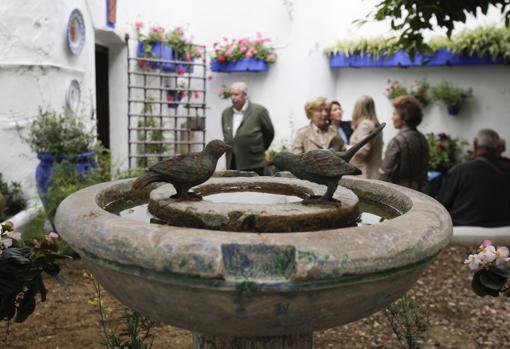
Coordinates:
[480,289]
[492,280]
[26,306]
[7,306]
[501,270]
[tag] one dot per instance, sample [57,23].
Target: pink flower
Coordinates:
[252,48]
[225,38]
[259,42]
[138,25]
[502,254]
[485,243]
[178,31]
[196,94]
[197,52]
[170,98]
[259,35]
[243,49]
[188,56]
[53,235]
[209,77]
[228,53]
[271,57]
[180,71]
[157,29]
[249,54]
[222,89]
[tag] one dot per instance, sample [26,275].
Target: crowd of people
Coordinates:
[476,192]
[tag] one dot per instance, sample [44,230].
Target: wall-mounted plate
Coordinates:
[75,33]
[73,96]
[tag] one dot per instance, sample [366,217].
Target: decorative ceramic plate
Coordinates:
[75,32]
[73,96]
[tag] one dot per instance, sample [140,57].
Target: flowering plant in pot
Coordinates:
[243,54]
[445,151]
[57,137]
[21,267]
[451,95]
[224,92]
[491,267]
[419,90]
[167,45]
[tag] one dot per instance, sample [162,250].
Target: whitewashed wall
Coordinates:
[35,71]
[32,32]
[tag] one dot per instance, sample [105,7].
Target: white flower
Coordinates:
[53,235]
[6,243]
[473,262]
[13,235]
[487,254]
[502,254]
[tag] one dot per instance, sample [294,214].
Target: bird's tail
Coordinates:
[145,180]
[348,154]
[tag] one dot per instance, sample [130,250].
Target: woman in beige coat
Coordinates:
[364,119]
[318,134]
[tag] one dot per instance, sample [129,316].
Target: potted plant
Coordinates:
[451,95]
[239,55]
[482,45]
[11,199]
[165,49]
[57,137]
[419,90]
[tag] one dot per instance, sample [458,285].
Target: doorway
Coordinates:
[102,97]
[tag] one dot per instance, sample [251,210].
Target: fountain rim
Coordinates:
[417,235]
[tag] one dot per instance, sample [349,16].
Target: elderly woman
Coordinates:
[318,134]
[364,120]
[407,155]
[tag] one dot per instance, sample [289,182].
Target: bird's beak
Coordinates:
[227,147]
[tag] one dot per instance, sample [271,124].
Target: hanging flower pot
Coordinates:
[242,55]
[196,123]
[455,108]
[451,95]
[157,51]
[174,98]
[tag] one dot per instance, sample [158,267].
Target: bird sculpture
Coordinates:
[185,171]
[323,167]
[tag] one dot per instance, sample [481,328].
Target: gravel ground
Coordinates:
[457,317]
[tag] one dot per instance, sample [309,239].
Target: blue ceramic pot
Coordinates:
[83,163]
[167,56]
[242,65]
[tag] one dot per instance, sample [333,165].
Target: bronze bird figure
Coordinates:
[323,167]
[185,171]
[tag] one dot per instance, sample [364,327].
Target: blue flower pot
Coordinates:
[161,52]
[174,97]
[242,65]
[398,59]
[83,163]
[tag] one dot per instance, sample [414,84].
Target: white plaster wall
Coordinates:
[35,71]
[36,68]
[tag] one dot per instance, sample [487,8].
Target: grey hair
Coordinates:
[241,86]
[487,138]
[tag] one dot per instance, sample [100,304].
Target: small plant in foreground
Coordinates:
[491,265]
[224,92]
[408,321]
[21,267]
[134,332]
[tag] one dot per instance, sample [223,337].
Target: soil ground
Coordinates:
[457,317]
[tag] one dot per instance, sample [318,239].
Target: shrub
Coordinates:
[14,200]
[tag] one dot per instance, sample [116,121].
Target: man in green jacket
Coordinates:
[248,129]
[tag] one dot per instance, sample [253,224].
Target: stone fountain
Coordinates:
[255,275]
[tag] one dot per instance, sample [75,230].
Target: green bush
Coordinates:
[14,200]
[54,134]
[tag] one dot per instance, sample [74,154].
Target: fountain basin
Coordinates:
[255,284]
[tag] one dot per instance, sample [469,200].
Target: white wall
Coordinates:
[36,68]
[35,71]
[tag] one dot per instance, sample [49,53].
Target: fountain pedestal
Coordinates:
[294,341]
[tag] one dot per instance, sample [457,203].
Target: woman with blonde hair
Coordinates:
[318,134]
[364,119]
